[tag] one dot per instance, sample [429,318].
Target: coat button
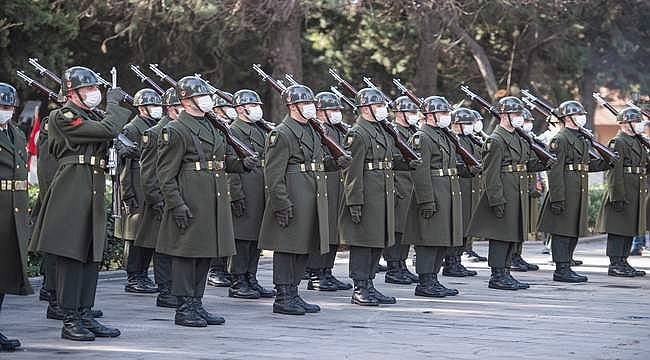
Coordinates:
[17,209]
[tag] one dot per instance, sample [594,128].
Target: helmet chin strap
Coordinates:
[435,117]
[300,112]
[76,91]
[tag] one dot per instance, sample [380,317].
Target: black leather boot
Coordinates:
[563,273]
[318,281]
[241,289]
[475,257]
[309,308]
[529,266]
[381,268]
[54,311]
[186,314]
[8,344]
[255,285]
[395,275]
[381,298]
[165,298]
[89,322]
[617,267]
[426,287]
[520,285]
[138,285]
[361,294]
[44,294]
[462,268]
[405,270]
[500,281]
[439,287]
[575,262]
[451,269]
[144,277]
[73,329]
[284,302]
[518,265]
[340,285]
[211,319]
[218,278]
[629,268]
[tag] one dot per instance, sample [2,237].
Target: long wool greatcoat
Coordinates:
[403,181]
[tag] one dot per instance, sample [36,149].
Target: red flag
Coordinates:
[32,149]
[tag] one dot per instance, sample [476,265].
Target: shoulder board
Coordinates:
[489,143]
[417,141]
[349,137]
[165,136]
[145,138]
[612,143]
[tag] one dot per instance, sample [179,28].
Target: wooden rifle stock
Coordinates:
[614,112]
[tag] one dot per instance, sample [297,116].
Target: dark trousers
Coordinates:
[429,258]
[2,298]
[246,259]
[325,261]
[397,252]
[189,276]
[48,270]
[76,283]
[363,262]
[288,268]
[618,245]
[219,264]
[469,243]
[138,260]
[517,249]
[562,248]
[500,253]
[162,270]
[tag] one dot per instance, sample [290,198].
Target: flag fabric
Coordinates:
[32,149]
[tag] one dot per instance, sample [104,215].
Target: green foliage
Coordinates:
[595,202]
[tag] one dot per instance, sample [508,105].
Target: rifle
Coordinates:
[33,83]
[407,152]
[388,100]
[602,151]
[540,151]
[468,157]
[600,100]
[645,112]
[147,79]
[126,97]
[242,150]
[335,149]
[344,98]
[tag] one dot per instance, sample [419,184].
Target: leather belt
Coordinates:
[379,165]
[92,160]
[444,172]
[308,167]
[514,168]
[209,166]
[634,170]
[577,167]
[13,185]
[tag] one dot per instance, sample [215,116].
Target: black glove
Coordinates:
[355,212]
[618,206]
[557,207]
[182,216]
[343,161]
[250,162]
[283,216]
[123,151]
[114,96]
[159,209]
[132,204]
[238,207]
[414,164]
[499,210]
[428,209]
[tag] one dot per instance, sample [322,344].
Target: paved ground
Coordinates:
[606,318]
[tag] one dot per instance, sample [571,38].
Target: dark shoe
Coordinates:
[309,308]
[318,281]
[186,314]
[381,268]
[631,269]
[305,275]
[529,266]
[381,298]
[395,275]
[89,322]
[285,303]
[426,287]
[166,299]
[474,257]
[448,291]
[54,312]
[241,289]
[576,262]
[138,285]
[465,270]
[340,285]
[518,265]
[97,313]
[8,344]
[636,252]
[361,294]
[73,329]
[500,281]
[218,278]
[520,285]
[211,319]
[563,273]
[147,280]
[405,270]
[255,285]
[44,294]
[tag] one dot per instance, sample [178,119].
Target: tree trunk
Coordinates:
[426,63]
[587,84]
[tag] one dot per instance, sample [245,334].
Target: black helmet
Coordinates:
[328,101]
[368,96]
[629,114]
[434,104]
[405,104]
[191,86]
[571,107]
[219,101]
[146,97]
[298,94]
[77,77]
[527,115]
[245,97]
[170,97]
[8,95]
[462,116]
[509,104]
[477,115]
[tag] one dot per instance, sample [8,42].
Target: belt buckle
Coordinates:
[303,168]
[371,166]
[3,185]
[92,160]
[20,185]
[197,166]
[81,159]
[210,166]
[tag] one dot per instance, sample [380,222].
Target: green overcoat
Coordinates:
[403,181]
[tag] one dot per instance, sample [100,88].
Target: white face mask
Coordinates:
[255,113]
[381,113]
[467,129]
[528,126]
[335,117]
[5,116]
[444,121]
[92,99]
[478,126]
[204,103]
[638,127]
[517,121]
[155,112]
[309,111]
[412,119]
[231,113]
[580,120]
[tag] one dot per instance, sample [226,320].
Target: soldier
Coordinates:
[367,218]
[224,108]
[622,215]
[470,187]
[247,201]
[196,226]
[502,213]
[435,215]
[154,202]
[149,106]
[295,220]
[328,112]
[78,139]
[14,214]
[534,193]
[407,118]
[477,189]
[564,211]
